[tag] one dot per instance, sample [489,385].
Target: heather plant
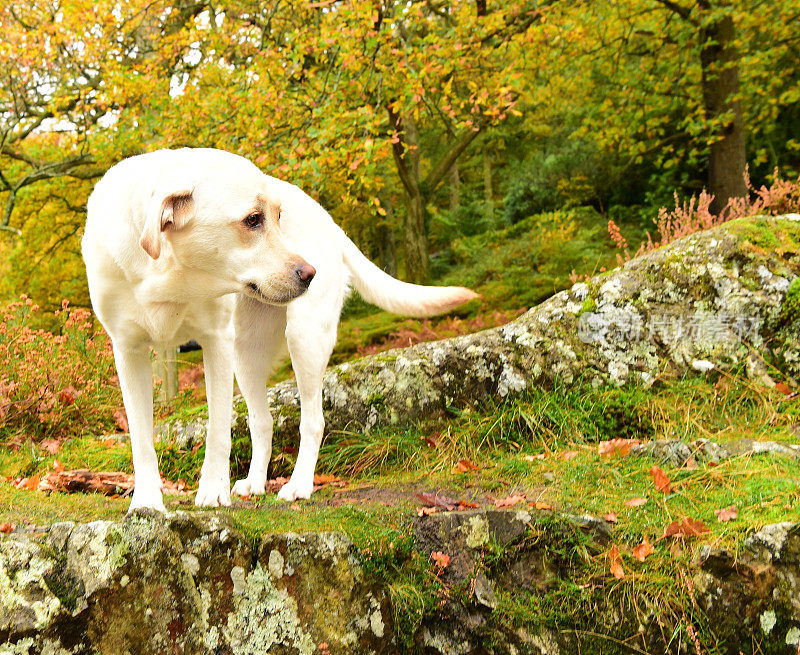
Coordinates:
[54,383]
[693,215]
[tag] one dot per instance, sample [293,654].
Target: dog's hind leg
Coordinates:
[136,383]
[215,479]
[260,341]
[311,337]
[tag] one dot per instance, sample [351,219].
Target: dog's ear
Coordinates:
[173,208]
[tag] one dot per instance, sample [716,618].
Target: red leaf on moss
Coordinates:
[615,561]
[661,480]
[685,528]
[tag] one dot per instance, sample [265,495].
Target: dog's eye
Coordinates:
[254,220]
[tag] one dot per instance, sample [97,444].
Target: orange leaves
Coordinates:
[7,527]
[440,559]
[727,514]
[509,501]
[644,549]
[685,528]
[464,466]
[615,562]
[661,480]
[635,502]
[616,447]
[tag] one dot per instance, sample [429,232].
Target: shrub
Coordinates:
[54,383]
[693,215]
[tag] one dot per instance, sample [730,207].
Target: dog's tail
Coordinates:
[386,292]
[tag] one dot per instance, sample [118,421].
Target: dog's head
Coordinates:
[224,227]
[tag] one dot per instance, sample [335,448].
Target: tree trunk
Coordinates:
[415,241]
[455,188]
[720,81]
[415,230]
[488,195]
[384,240]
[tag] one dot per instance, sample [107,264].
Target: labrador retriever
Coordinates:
[200,244]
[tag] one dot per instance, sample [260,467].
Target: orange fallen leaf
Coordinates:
[569,454]
[643,550]
[108,443]
[30,483]
[442,560]
[661,480]
[615,561]
[508,501]
[727,514]
[635,502]
[616,447]
[424,511]
[50,445]
[122,420]
[685,528]
[783,388]
[7,527]
[541,505]
[464,466]
[610,517]
[324,479]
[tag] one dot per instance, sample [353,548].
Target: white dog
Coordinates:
[199,243]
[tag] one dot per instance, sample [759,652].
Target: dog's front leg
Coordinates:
[215,481]
[136,383]
[310,350]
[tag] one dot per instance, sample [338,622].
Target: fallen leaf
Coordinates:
[108,443]
[463,504]
[57,466]
[685,528]
[122,420]
[569,454]
[51,445]
[424,511]
[276,483]
[610,517]
[508,501]
[727,514]
[615,561]
[635,502]
[432,441]
[616,447]
[533,458]
[783,388]
[29,483]
[464,466]
[7,527]
[432,499]
[84,480]
[643,550]
[324,479]
[541,505]
[442,560]
[661,480]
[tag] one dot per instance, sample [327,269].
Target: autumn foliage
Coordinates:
[53,383]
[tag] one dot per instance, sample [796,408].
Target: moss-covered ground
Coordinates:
[543,445]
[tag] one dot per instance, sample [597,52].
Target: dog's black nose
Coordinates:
[306,273]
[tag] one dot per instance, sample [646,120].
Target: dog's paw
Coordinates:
[296,489]
[245,487]
[147,498]
[213,492]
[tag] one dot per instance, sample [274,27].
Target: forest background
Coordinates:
[414,123]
